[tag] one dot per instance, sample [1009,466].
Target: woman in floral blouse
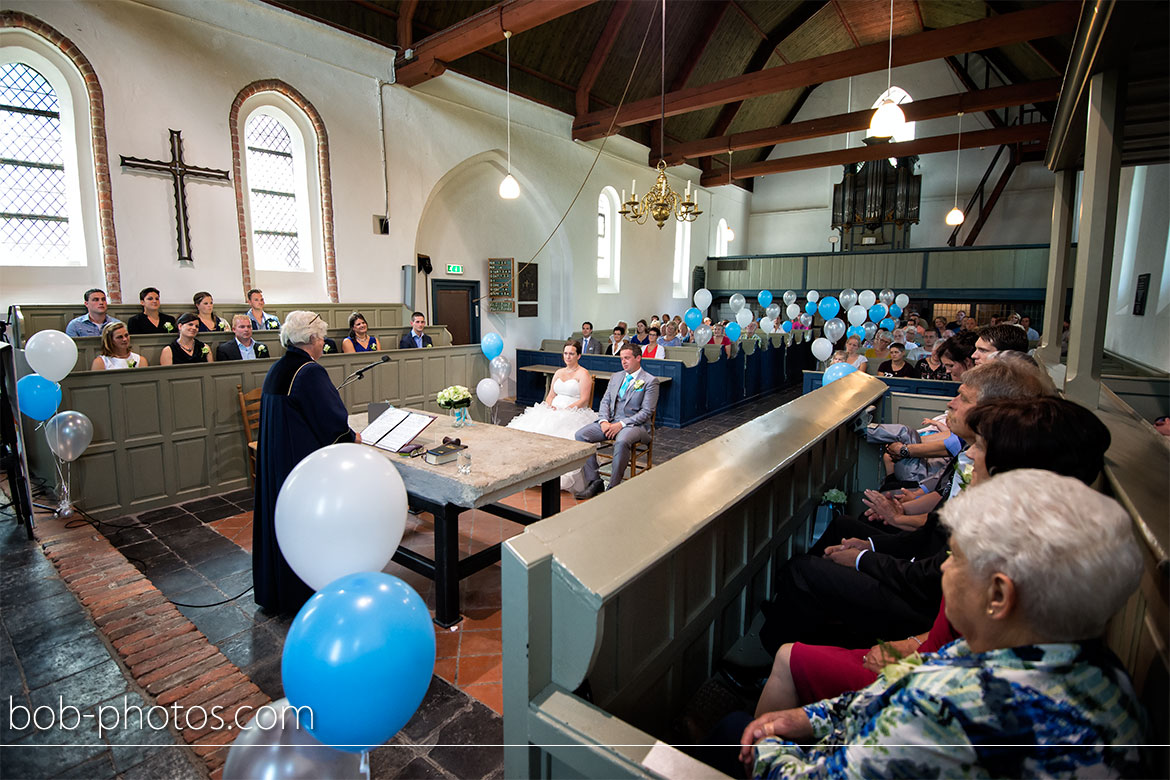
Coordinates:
[1038,564]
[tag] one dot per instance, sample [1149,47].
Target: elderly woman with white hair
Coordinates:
[1038,564]
[300,412]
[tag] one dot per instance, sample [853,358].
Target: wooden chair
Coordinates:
[637,452]
[250,411]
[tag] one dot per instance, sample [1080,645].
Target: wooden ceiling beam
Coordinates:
[476,32]
[1039,22]
[601,50]
[699,46]
[916,111]
[969,83]
[1037,132]
[406,11]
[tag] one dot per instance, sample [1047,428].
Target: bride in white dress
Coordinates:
[567,409]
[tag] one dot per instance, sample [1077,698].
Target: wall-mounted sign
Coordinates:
[1143,290]
[453,268]
[501,284]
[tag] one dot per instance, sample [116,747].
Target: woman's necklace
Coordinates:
[185,348]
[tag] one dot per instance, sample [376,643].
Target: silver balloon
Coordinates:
[806,320]
[834,329]
[702,334]
[847,298]
[773,311]
[870,329]
[69,434]
[275,747]
[886,296]
[500,369]
[736,302]
[789,297]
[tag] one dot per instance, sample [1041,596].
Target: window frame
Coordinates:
[610,245]
[300,186]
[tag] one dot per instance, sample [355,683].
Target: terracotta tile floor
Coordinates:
[467,655]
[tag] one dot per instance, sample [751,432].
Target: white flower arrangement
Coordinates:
[454,397]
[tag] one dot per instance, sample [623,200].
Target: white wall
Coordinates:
[792,212]
[1142,246]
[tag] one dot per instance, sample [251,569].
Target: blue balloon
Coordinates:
[39,398]
[836,371]
[810,308]
[877,312]
[693,318]
[787,326]
[895,310]
[765,298]
[889,324]
[855,330]
[360,654]
[828,307]
[732,330]
[491,345]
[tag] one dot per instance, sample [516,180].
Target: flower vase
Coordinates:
[463,417]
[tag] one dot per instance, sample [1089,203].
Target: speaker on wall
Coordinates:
[424,264]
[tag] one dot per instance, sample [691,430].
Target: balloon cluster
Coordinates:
[53,355]
[489,389]
[865,312]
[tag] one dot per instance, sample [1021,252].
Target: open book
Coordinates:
[394,429]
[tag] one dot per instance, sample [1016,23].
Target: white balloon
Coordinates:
[834,329]
[847,298]
[51,354]
[789,297]
[768,324]
[822,349]
[342,510]
[744,317]
[857,314]
[813,296]
[702,298]
[736,302]
[866,298]
[793,311]
[902,299]
[488,392]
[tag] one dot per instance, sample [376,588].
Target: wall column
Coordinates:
[1094,266]
[1064,198]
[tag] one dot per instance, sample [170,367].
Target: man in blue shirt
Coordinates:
[260,320]
[243,346]
[95,318]
[415,339]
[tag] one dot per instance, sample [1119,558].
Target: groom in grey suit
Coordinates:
[625,411]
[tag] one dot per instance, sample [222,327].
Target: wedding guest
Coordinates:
[415,339]
[361,340]
[840,356]
[671,338]
[616,340]
[640,338]
[260,320]
[653,349]
[589,345]
[998,338]
[1026,324]
[881,345]
[151,320]
[94,319]
[116,350]
[956,354]
[243,346]
[208,320]
[897,366]
[931,366]
[853,354]
[186,348]
[719,336]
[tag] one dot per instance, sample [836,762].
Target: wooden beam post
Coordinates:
[601,51]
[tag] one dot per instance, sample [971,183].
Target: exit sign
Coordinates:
[454,269]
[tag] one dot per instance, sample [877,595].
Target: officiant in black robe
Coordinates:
[300,412]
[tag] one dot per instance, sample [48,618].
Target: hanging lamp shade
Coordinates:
[955,216]
[509,188]
[887,119]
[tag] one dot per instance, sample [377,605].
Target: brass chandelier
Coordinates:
[661,202]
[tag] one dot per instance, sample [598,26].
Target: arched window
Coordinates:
[281,160]
[721,235]
[906,131]
[608,242]
[682,257]
[41,220]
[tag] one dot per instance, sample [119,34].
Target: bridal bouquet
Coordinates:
[454,397]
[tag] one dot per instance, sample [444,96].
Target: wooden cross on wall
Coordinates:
[179,172]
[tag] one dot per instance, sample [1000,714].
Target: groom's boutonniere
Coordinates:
[638,384]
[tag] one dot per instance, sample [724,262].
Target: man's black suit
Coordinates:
[230,350]
[407,341]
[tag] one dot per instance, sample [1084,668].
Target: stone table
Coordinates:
[503,461]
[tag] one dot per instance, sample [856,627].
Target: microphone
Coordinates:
[360,373]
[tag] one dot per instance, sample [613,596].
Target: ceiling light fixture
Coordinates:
[661,202]
[888,117]
[509,188]
[955,216]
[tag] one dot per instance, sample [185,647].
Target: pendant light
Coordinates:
[509,187]
[955,216]
[888,118]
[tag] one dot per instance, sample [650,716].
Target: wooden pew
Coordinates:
[167,434]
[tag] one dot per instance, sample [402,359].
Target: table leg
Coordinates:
[550,497]
[447,566]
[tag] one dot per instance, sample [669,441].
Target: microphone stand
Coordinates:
[361,372]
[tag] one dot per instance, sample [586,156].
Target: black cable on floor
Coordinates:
[216,604]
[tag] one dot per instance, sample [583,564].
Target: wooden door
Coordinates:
[456,308]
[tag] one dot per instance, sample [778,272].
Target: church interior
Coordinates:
[493,165]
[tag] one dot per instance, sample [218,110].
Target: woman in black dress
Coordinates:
[186,348]
[151,320]
[209,321]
